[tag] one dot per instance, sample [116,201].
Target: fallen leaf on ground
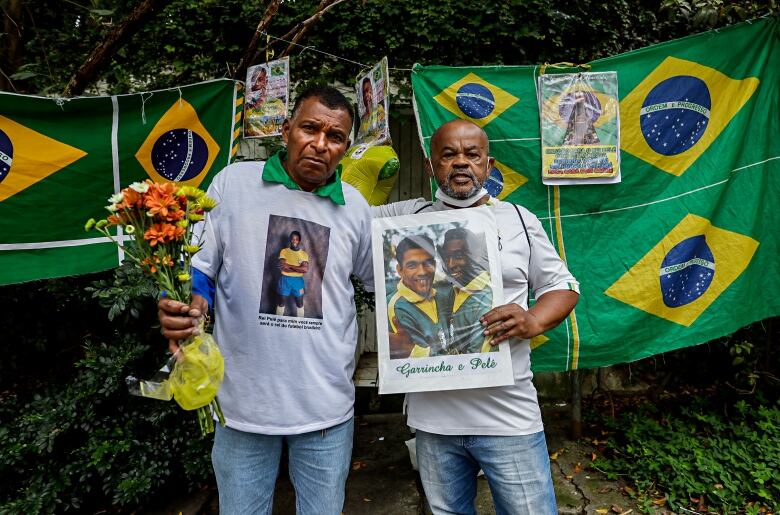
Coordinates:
[627,512]
[366,499]
[578,468]
[629,490]
[569,477]
[616,509]
[602,510]
[593,456]
[660,502]
[604,489]
[357,465]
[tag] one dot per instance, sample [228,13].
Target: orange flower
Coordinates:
[132,199]
[166,260]
[160,200]
[117,219]
[163,233]
[151,263]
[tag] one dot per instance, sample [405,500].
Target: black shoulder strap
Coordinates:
[425,206]
[525,229]
[530,249]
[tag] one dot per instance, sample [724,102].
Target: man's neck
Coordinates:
[481,201]
[479,198]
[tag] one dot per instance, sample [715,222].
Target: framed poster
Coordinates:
[266,98]
[436,275]
[371,91]
[580,128]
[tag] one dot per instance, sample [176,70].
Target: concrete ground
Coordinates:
[382,480]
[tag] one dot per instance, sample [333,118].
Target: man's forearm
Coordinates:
[552,307]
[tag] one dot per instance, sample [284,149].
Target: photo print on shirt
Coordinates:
[296,255]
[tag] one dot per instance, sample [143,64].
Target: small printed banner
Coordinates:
[266,98]
[580,127]
[681,251]
[435,275]
[373,105]
[60,159]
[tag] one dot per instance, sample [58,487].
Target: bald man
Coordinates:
[497,429]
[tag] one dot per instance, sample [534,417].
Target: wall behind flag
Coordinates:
[60,159]
[682,251]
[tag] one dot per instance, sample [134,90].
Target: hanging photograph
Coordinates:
[436,275]
[371,91]
[265,101]
[580,128]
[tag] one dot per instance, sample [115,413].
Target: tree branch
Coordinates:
[303,27]
[249,55]
[102,55]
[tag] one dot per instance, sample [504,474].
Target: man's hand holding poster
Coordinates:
[441,273]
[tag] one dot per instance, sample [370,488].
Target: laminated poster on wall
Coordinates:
[436,275]
[580,128]
[371,91]
[266,99]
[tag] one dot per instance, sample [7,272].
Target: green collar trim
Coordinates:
[274,172]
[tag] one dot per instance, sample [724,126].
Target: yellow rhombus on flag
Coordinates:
[33,157]
[475,99]
[678,110]
[686,271]
[179,133]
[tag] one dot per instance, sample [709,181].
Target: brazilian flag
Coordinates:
[685,248]
[60,160]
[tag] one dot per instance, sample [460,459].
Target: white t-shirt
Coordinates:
[284,374]
[505,410]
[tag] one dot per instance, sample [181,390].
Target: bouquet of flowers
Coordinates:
[159,219]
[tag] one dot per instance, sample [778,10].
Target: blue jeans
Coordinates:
[517,469]
[246,466]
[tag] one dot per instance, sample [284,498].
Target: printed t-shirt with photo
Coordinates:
[283,375]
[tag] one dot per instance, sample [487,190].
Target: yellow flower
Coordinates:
[182,223]
[194,217]
[101,224]
[191,192]
[191,249]
[130,229]
[183,277]
[207,203]
[90,224]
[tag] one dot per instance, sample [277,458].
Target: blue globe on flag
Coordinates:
[179,154]
[495,183]
[475,100]
[675,114]
[6,155]
[686,272]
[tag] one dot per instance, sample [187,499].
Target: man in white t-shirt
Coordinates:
[497,429]
[288,380]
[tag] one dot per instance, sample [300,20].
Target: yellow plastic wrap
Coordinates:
[371,170]
[198,373]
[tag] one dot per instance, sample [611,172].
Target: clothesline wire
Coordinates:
[329,54]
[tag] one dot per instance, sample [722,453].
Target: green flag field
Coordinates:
[685,248]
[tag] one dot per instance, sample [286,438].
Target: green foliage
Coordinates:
[194,40]
[76,440]
[127,292]
[701,453]
[363,299]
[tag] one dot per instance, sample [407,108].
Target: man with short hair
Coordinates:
[285,383]
[496,429]
[416,307]
[293,263]
[465,262]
